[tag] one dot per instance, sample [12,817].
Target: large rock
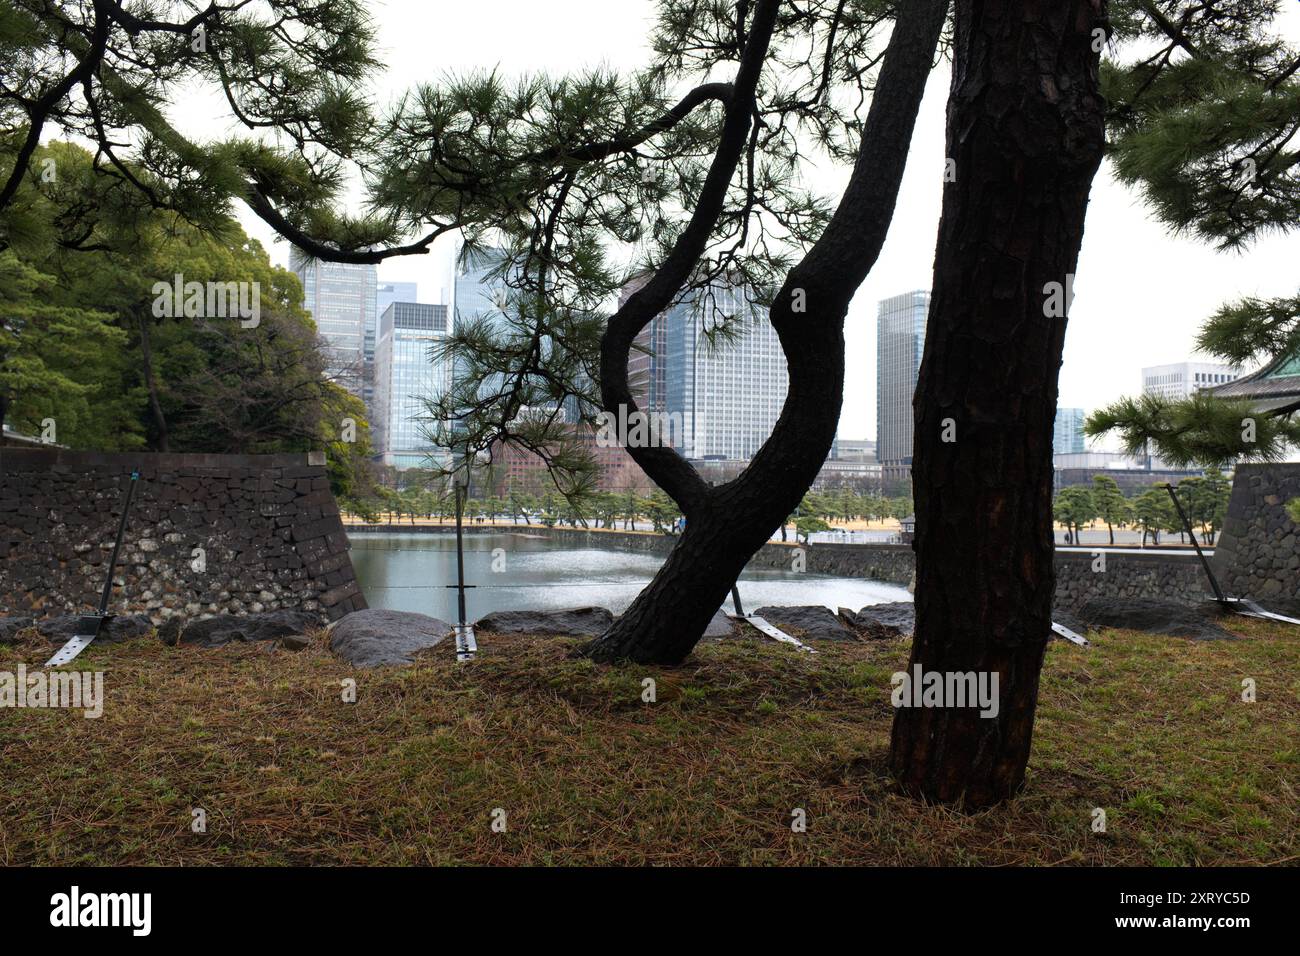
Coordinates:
[1198,621]
[814,623]
[59,630]
[10,627]
[867,628]
[570,622]
[376,638]
[720,627]
[895,619]
[248,629]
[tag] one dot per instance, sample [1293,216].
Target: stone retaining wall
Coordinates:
[267,526]
[1080,577]
[1258,554]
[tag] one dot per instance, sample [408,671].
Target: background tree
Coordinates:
[1112,507]
[50,350]
[809,525]
[129,377]
[1154,513]
[1074,507]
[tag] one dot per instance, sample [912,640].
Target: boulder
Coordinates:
[377,638]
[720,627]
[11,626]
[59,630]
[895,619]
[814,623]
[865,627]
[570,622]
[228,628]
[1197,621]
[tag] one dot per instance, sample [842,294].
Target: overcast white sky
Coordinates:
[1141,294]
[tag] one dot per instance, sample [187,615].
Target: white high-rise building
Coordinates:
[1067,435]
[1183,379]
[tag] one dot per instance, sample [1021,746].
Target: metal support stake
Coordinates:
[466,646]
[1214,582]
[89,625]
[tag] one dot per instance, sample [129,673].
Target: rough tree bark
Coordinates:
[727,524]
[1025,126]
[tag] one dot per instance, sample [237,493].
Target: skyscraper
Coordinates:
[478,292]
[405,373]
[1067,436]
[341,298]
[722,399]
[389,292]
[900,342]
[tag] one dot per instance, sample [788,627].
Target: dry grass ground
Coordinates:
[1151,729]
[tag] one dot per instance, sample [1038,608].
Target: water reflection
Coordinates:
[411,572]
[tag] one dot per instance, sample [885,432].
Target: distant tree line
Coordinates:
[1205,500]
[424,497]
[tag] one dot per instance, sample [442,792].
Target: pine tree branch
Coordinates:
[668,469]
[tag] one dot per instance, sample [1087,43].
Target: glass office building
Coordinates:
[724,397]
[900,343]
[405,374]
[342,300]
[1067,436]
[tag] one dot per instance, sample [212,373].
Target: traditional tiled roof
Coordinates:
[1274,388]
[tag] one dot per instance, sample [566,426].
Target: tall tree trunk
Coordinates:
[1025,127]
[151,382]
[728,523]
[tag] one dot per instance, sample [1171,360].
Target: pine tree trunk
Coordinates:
[151,383]
[736,519]
[727,524]
[1025,127]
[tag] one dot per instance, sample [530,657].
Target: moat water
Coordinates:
[411,572]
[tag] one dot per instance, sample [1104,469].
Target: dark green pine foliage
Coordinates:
[1205,125]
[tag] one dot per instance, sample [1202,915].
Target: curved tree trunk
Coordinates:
[1025,126]
[726,524]
[667,618]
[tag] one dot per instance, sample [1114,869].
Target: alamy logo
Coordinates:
[638,429]
[70,690]
[103,909]
[209,300]
[946,689]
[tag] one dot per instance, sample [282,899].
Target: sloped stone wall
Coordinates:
[207,534]
[1258,554]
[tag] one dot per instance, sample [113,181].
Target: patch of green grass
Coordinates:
[1150,729]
